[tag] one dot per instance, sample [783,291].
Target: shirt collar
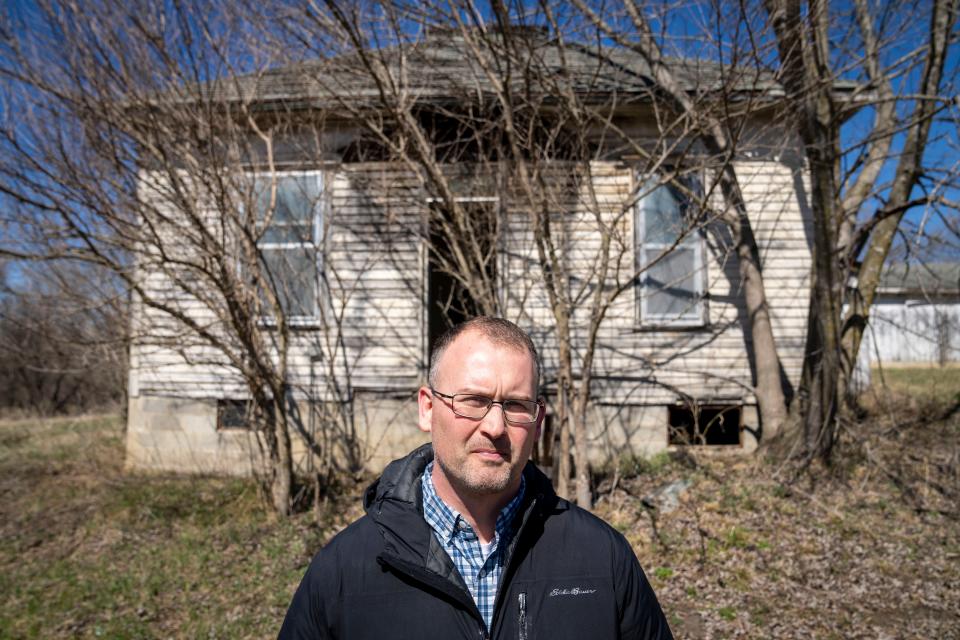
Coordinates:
[445,520]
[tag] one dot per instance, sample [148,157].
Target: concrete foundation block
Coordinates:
[172,434]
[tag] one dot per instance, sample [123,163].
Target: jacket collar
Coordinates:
[395,503]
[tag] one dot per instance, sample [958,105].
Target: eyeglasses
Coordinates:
[468,405]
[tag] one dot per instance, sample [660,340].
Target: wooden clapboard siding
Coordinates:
[654,365]
[913,327]
[373,278]
[374,269]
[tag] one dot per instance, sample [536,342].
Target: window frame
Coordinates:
[693,240]
[318,221]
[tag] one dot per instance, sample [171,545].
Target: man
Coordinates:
[466,539]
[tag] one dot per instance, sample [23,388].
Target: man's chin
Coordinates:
[483,482]
[488,488]
[480,477]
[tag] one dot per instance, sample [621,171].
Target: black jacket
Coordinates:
[567,574]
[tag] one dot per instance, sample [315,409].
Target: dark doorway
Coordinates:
[705,425]
[449,302]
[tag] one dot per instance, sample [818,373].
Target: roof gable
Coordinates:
[444,65]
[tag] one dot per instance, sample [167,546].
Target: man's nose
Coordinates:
[493,424]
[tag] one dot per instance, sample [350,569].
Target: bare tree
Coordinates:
[62,340]
[132,144]
[833,62]
[712,119]
[518,108]
[863,183]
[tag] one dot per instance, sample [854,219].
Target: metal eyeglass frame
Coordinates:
[490,404]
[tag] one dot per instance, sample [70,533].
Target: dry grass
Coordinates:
[870,551]
[937,384]
[89,552]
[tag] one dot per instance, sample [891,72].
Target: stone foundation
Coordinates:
[171,434]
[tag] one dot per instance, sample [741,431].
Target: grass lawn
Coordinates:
[940,384]
[88,551]
[870,550]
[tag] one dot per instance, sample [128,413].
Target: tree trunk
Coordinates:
[822,363]
[856,317]
[803,48]
[584,494]
[768,386]
[820,377]
[281,477]
[565,415]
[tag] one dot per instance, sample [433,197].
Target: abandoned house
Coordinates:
[365,268]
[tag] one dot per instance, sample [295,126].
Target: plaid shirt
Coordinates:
[481,572]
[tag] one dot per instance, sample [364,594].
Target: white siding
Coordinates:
[374,268]
[372,292]
[913,330]
[654,365]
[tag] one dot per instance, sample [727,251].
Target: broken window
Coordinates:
[704,424]
[233,414]
[236,414]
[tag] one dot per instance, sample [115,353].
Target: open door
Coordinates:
[449,302]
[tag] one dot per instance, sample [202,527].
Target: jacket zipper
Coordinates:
[498,605]
[522,618]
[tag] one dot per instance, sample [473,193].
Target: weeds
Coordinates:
[89,552]
[752,557]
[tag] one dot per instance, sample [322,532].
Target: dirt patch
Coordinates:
[868,550]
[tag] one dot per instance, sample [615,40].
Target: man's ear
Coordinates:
[425,406]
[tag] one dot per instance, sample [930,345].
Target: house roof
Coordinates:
[436,68]
[937,278]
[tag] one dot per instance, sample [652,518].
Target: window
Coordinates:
[293,213]
[711,425]
[233,414]
[237,414]
[670,289]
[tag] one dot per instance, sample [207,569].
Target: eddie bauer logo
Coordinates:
[573,591]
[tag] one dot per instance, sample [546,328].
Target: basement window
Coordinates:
[234,414]
[705,425]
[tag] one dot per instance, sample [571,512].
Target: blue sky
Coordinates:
[684,30]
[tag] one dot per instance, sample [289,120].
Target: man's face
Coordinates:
[486,456]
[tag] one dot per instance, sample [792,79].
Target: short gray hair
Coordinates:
[498,331]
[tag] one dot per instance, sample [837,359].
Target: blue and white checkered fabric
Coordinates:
[481,572]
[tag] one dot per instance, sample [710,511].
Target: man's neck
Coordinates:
[480,510]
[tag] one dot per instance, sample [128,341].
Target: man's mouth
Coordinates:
[490,454]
